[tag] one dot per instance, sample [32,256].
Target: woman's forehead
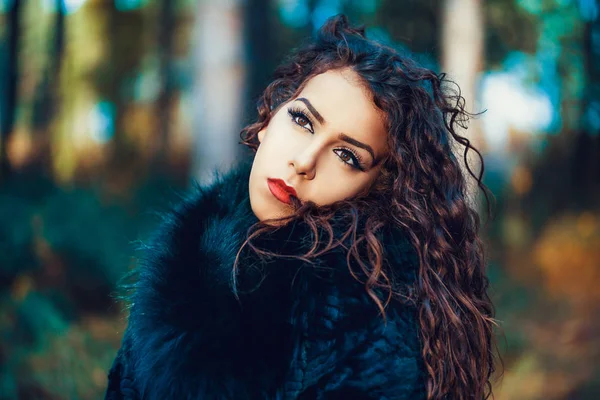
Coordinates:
[344,102]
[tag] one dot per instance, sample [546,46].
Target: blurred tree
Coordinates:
[591,50]
[462,58]
[10,85]
[416,24]
[260,44]
[508,28]
[46,101]
[125,51]
[165,54]
[73,129]
[218,83]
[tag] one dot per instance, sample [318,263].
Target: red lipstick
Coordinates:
[280,190]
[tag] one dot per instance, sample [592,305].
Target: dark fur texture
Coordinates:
[298,330]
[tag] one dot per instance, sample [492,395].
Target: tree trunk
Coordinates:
[47,100]
[462,59]
[165,51]
[218,86]
[11,79]
[260,44]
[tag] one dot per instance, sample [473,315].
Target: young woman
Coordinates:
[342,262]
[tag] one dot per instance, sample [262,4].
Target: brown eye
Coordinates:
[299,118]
[302,121]
[345,157]
[349,158]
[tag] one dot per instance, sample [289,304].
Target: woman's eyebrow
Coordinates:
[313,111]
[341,136]
[348,139]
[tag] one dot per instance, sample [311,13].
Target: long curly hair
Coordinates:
[422,189]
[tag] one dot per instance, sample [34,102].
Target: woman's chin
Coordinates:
[270,214]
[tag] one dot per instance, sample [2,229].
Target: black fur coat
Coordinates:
[297,330]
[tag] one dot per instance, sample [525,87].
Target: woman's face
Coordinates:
[325,145]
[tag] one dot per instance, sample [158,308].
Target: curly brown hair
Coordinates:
[422,189]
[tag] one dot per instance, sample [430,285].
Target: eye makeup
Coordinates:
[296,113]
[355,160]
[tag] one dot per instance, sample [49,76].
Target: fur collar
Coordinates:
[189,332]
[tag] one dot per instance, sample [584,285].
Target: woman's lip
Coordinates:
[281,190]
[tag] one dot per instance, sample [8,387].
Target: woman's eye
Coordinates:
[302,121]
[347,157]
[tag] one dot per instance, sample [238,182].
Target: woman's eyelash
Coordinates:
[295,113]
[356,158]
[298,113]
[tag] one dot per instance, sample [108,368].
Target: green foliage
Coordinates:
[62,253]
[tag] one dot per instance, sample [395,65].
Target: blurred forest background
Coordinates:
[108,108]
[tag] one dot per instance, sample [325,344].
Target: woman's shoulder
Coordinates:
[184,302]
[187,267]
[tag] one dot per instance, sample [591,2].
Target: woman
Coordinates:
[343,262]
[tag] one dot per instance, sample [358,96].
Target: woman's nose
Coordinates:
[304,163]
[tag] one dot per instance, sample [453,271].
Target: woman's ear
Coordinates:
[261,134]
